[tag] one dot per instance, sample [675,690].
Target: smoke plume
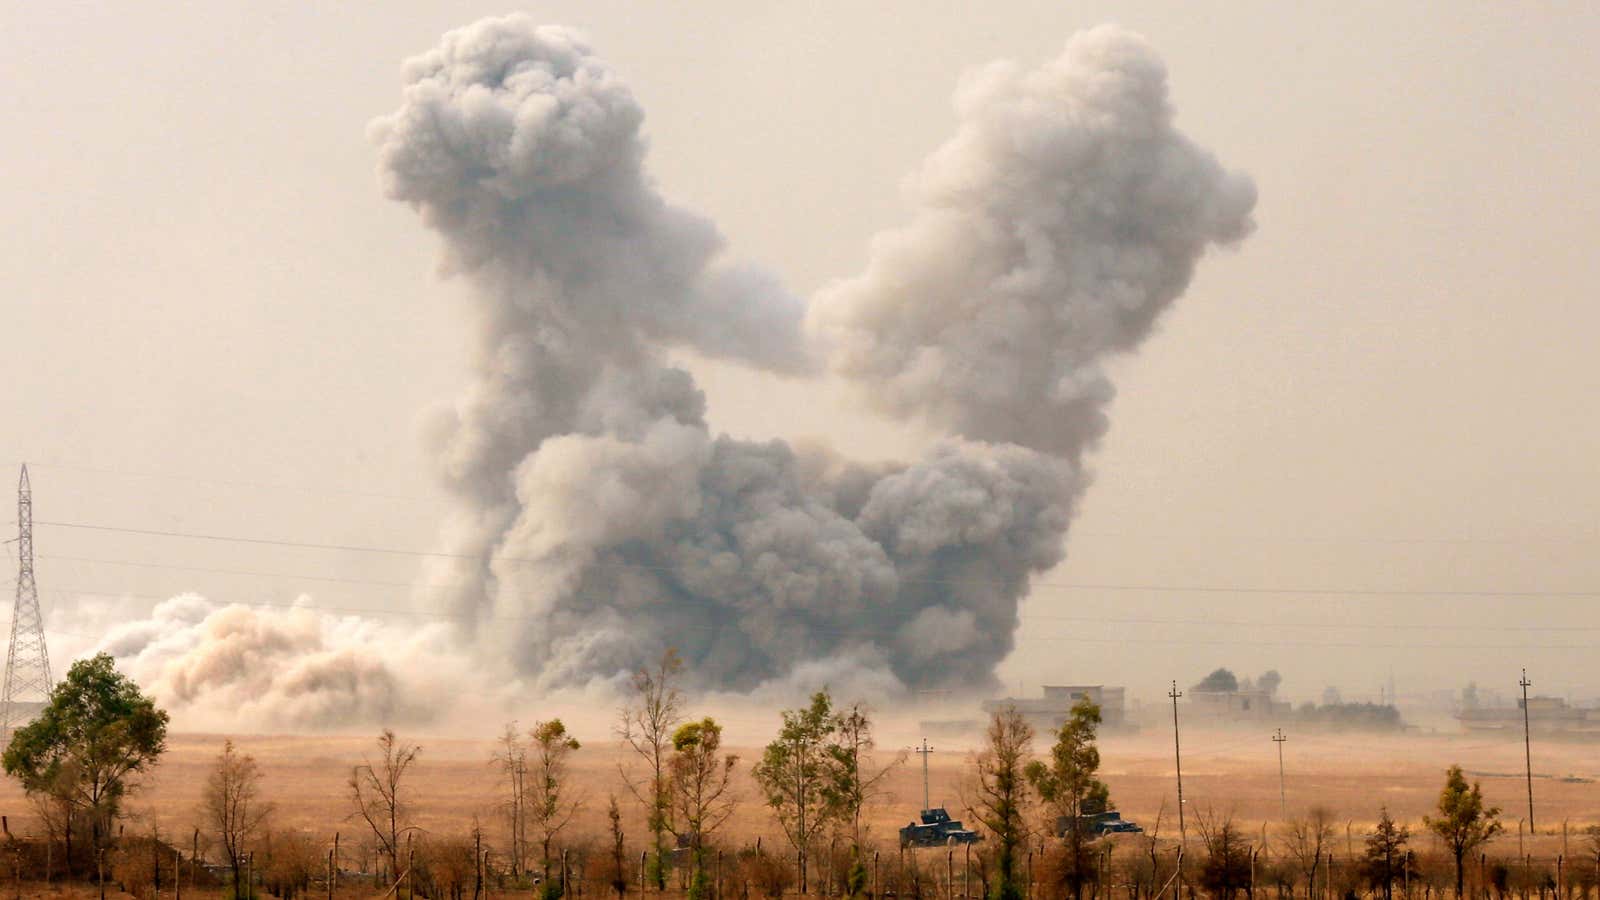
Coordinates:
[1064,216]
[600,518]
[233,666]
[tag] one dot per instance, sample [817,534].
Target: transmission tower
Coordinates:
[28,681]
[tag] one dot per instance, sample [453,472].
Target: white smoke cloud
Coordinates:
[599,519]
[1051,231]
[234,666]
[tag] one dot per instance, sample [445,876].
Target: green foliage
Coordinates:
[1069,783]
[1269,681]
[856,881]
[1464,823]
[1370,716]
[700,777]
[1219,681]
[1069,787]
[1001,796]
[793,774]
[550,804]
[1385,858]
[700,884]
[554,734]
[849,784]
[96,733]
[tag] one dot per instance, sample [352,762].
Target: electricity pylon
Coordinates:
[28,682]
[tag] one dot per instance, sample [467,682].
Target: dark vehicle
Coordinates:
[1098,824]
[936,830]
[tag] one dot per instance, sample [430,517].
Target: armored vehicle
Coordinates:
[936,830]
[1097,824]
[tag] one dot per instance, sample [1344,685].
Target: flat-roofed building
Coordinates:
[1049,712]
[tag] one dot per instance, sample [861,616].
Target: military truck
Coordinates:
[1098,824]
[936,830]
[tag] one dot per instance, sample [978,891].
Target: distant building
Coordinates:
[1246,705]
[1546,715]
[1049,712]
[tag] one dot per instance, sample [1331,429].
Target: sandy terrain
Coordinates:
[1231,772]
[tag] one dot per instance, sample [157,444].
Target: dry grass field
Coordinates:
[1227,772]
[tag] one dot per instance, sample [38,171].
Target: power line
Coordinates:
[1210,535]
[315,490]
[1024,617]
[880,634]
[1096,586]
[1054,617]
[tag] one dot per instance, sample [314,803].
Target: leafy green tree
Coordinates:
[793,775]
[550,802]
[1000,800]
[1269,681]
[1464,823]
[1385,855]
[96,734]
[1221,681]
[1071,790]
[701,778]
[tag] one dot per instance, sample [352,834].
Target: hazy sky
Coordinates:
[1365,441]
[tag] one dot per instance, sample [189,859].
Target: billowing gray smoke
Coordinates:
[599,517]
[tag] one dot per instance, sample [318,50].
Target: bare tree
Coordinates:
[1304,839]
[1226,869]
[512,759]
[1000,795]
[1153,838]
[292,860]
[375,792]
[551,804]
[619,851]
[55,808]
[231,805]
[646,728]
[701,778]
[852,782]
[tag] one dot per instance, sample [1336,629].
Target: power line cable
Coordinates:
[875,634]
[1206,622]
[317,490]
[223,482]
[1100,586]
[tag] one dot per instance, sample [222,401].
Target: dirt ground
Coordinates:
[1225,772]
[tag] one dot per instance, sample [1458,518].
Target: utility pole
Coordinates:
[1527,745]
[1177,752]
[28,683]
[1278,738]
[924,751]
